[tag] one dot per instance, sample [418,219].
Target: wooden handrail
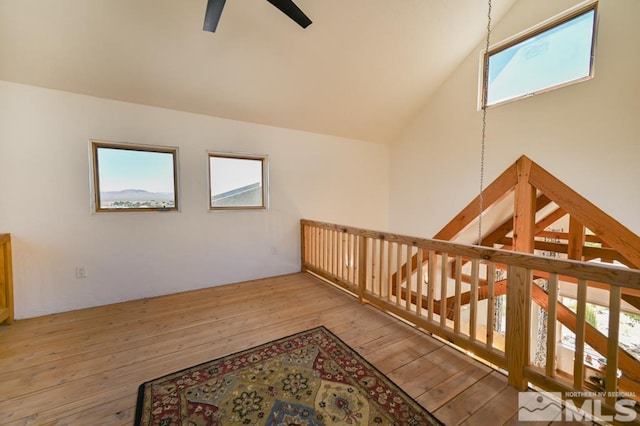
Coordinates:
[610,274]
[6,280]
[366,263]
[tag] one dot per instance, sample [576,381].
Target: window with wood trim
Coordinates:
[237,181]
[129,177]
[549,56]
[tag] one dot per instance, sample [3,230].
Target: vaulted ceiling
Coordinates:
[361,70]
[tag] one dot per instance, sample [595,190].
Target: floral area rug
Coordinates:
[310,378]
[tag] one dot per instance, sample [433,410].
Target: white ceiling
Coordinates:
[361,70]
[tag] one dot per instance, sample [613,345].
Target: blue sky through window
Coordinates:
[554,57]
[121,169]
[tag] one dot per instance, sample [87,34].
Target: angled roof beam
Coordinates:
[493,193]
[550,219]
[610,230]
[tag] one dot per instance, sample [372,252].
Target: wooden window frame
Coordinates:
[96,144]
[241,156]
[551,23]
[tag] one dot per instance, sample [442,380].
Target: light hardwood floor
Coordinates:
[84,367]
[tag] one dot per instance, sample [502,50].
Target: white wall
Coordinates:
[587,135]
[44,200]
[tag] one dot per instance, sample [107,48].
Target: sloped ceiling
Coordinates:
[361,70]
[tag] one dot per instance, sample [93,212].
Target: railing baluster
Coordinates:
[7,314]
[473,302]
[420,282]
[339,254]
[431,272]
[303,245]
[323,248]
[398,273]
[362,267]
[375,256]
[310,241]
[552,316]
[491,298]
[372,263]
[611,377]
[334,252]
[319,248]
[443,293]
[304,253]
[444,263]
[383,279]
[409,277]
[458,295]
[518,324]
[330,251]
[327,251]
[356,256]
[388,280]
[581,314]
[343,256]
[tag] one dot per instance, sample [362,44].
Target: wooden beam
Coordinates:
[632,300]
[524,209]
[611,231]
[576,239]
[499,288]
[549,220]
[495,192]
[565,236]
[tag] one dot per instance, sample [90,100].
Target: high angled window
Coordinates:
[237,181]
[129,177]
[553,55]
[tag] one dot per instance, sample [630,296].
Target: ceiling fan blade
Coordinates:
[212,15]
[289,8]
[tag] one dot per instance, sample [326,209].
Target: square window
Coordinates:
[129,177]
[237,181]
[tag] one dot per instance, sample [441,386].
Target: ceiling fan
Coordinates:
[288,7]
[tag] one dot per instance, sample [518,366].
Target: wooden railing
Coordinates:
[6,280]
[481,300]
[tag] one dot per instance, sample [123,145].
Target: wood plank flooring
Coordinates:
[84,367]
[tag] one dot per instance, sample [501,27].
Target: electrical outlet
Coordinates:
[274,251]
[81,272]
